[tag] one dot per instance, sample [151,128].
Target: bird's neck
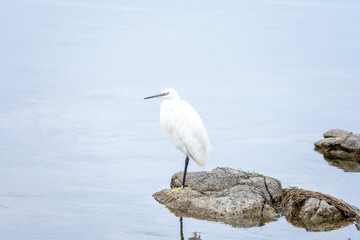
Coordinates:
[175,98]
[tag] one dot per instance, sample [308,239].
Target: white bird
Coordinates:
[184,125]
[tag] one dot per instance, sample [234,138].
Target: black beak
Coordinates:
[157,95]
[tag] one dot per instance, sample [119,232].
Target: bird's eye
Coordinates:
[167,93]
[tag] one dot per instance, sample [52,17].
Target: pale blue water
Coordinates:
[81,152]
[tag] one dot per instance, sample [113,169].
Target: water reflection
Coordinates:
[234,221]
[319,227]
[347,166]
[196,236]
[307,224]
[181,229]
[336,156]
[351,165]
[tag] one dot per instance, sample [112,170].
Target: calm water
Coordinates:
[81,152]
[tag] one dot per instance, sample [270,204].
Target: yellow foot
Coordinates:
[177,190]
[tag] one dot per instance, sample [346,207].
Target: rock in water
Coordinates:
[316,211]
[336,133]
[231,196]
[244,199]
[341,148]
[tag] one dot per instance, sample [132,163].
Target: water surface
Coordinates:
[82,152]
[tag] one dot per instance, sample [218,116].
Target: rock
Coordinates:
[231,196]
[351,143]
[244,199]
[339,145]
[316,211]
[336,133]
[319,211]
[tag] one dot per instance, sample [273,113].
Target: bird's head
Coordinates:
[168,93]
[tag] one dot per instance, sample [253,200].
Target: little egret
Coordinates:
[184,125]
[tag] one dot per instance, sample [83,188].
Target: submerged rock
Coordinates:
[231,196]
[339,144]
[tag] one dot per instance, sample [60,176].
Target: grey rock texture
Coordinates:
[319,211]
[244,199]
[231,196]
[336,133]
[317,215]
[316,211]
[340,145]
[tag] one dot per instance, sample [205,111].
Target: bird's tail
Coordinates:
[200,158]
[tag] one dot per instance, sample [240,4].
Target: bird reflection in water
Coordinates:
[195,234]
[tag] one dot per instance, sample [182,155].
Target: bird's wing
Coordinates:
[190,129]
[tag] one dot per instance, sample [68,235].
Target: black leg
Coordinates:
[181,229]
[186,165]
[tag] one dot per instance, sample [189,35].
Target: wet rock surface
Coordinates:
[231,196]
[339,144]
[244,199]
[316,211]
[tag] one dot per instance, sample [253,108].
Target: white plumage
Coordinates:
[179,119]
[184,125]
